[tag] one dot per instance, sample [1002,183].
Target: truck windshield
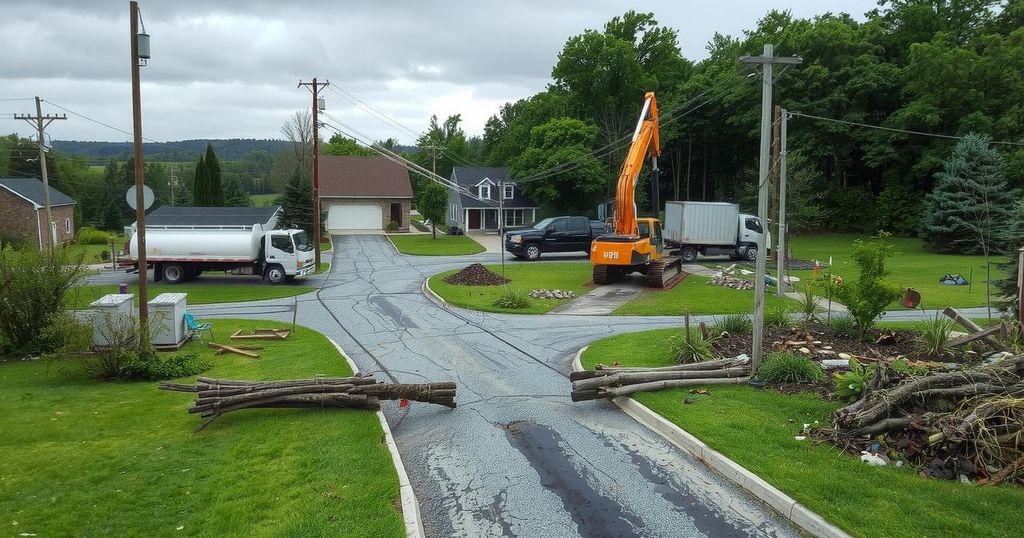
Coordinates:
[542,225]
[302,242]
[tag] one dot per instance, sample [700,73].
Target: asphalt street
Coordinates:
[517,457]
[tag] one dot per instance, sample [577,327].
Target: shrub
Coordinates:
[809,303]
[850,385]
[392,226]
[734,324]
[179,365]
[33,285]
[105,255]
[843,325]
[92,236]
[693,346]
[867,298]
[777,316]
[786,367]
[513,298]
[121,358]
[933,334]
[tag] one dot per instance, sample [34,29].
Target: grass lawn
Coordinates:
[524,276]
[753,428]
[198,292]
[911,268]
[91,253]
[444,245]
[86,458]
[263,200]
[695,294]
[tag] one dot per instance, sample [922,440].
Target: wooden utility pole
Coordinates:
[767,61]
[315,86]
[773,203]
[39,121]
[781,256]
[140,202]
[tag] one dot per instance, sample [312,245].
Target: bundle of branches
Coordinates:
[612,382]
[955,423]
[215,397]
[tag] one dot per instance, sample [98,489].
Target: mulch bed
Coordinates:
[903,342]
[476,275]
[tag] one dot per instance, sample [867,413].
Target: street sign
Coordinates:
[147,196]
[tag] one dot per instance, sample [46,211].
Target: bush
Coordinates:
[843,325]
[933,334]
[105,255]
[809,303]
[92,236]
[777,316]
[868,297]
[33,285]
[697,347]
[392,226]
[786,367]
[734,324]
[175,366]
[850,385]
[121,359]
[513,298]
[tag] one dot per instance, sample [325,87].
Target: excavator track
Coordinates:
[664,271]
[606,274]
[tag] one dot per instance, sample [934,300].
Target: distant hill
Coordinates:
[231,149]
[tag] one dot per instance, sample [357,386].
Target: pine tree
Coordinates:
[112,216]
[213,176]
[182,195]
[969,211]
[296,210]
[234,194]
[201,186]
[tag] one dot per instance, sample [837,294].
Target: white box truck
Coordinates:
[182,242]
[710,229]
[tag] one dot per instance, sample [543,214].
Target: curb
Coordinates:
[431,294]
[410,505]
[796,513]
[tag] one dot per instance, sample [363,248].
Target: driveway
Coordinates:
[516,458]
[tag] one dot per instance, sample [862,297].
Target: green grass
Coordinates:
[263,200]
[753,428]
[198,292]
[85,458]
[525,276]
[911,268]
[443,245]
[91,253]
[694,294]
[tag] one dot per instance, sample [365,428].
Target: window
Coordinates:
[508,192]
[281,242]
[579,225]
[561,225]
[485,191]
[67,225]
[515,217]
[754,225]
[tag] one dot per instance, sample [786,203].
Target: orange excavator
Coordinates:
[636,244]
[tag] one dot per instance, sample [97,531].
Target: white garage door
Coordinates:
[354,217]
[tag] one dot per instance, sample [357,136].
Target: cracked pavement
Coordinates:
[517,457]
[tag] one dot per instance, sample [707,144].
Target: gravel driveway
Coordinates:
[516,458]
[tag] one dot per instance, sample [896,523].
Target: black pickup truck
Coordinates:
[554,234]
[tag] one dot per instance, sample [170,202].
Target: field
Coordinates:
[263,200]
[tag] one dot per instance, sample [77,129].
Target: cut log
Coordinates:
[222,347]
[991,331]
[654,385]
[630,378]
[973,328]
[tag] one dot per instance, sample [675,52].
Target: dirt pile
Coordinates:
[476,275]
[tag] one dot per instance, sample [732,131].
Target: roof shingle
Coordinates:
[363,177]
[32,189]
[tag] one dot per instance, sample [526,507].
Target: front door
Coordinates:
[474,219]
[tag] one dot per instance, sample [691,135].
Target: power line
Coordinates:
[895,130]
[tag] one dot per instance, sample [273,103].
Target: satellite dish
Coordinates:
[147,196]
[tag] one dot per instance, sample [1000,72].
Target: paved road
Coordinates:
[516,457]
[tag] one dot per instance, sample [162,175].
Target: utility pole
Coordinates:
[174,179]
[501,223]
[773,199]
[433,157]
[315,86]
[689,160]
[138,56]
[781,256]
[767,61]
[39,121]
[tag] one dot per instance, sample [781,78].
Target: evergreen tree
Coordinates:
[1008,286]
[296,210]
[969,211]
[112,216]
[182,196]
[234,194]
[213,176]
[201,186]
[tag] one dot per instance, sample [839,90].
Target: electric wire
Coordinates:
[895,130]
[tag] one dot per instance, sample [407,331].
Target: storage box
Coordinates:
[167,319]
[111,315]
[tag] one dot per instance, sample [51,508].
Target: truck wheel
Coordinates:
[275,274]
[688,254]
[174,273]
[751,254]
[532,252]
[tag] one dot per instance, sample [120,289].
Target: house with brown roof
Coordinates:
[364,193]
[23,215]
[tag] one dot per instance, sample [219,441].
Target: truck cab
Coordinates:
[286,254]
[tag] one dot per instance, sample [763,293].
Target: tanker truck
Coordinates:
[182,242]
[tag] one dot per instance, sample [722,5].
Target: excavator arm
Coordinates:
[645,142]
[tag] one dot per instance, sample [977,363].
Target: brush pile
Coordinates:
[612,382]
[476,275]
[967,424]
[215,397]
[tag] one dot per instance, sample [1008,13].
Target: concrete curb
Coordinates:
[431,294]
[410,505]
[796,513]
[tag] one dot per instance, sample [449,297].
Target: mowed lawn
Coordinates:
[695,295]
[443,245]
[912,267]
[198,292]
[88,458]
[263,200]
[756,428]
[526,276]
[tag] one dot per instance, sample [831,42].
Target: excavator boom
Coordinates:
[645,142]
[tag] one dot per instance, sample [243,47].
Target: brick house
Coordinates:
[23,216]
[364,193]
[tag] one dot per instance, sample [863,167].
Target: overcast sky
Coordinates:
[229,68]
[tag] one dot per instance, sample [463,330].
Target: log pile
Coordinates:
[967,423]
[215,397]
[612,382]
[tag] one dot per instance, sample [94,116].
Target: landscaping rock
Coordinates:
[476,275]
[552,294]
